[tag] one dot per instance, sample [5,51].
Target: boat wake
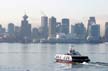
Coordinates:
[98,64]
[102,66]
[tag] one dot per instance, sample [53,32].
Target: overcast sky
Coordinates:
[76,10]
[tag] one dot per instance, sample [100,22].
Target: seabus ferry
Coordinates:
[71,57]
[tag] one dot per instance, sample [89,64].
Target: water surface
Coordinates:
[40,57]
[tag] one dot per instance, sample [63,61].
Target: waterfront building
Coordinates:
[35,33]
[44,27]
[91,21]
[18,33]
[25,29]
[65,25]
[11,29]
[2,33]
[94,35]
[2,30]
[72,29]
[52,27]
[58,27]
[79,30]
[106,32]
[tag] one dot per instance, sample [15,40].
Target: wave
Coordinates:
[96,64]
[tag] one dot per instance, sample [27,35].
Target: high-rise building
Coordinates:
[17,29]
[35,33]
[95,30]
[44,21]
[91,21]
[44,27]
[106,31]
[11,28]
[58,27]
[79,30]
[2,30]
[94,35]
[65,26]
[18,33]
[52,27]
[25,29]
[72,29]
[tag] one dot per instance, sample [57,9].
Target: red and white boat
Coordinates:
[71,57]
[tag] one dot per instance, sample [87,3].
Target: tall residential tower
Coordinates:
[65,26]
[52,27]
[44,27]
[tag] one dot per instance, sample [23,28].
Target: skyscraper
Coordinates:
[94,35]
[72,29]
[65,25]
[106,31]
[25,29]
[91,21]
[52,27]
[18,33]
[2,30]
[35,33]
[11,28]
[44,27]
[95,30]
[79,30]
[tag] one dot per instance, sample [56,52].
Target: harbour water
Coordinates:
[40,57]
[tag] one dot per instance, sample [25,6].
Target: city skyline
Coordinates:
[75,10]
[52,31]
[102,28]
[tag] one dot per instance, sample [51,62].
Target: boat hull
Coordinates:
[80,59]
[73,59]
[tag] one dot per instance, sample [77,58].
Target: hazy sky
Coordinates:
[76,10]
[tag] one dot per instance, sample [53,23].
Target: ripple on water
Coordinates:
[80,67]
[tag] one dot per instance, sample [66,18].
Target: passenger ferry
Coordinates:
[71,57]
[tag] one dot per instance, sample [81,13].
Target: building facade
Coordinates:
[11,28]
[65,26]
[52,27]
[94,35]
[91,21]
[25,29]
[44,27]
[79,30]
[106,32]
